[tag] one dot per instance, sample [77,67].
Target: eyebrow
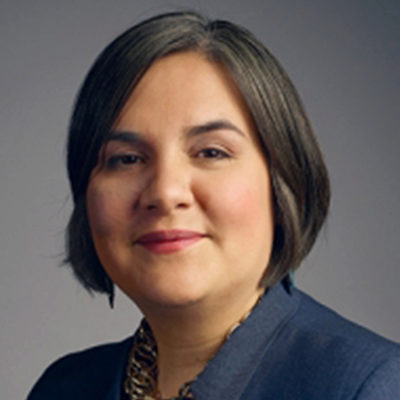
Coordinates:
[133,137]
[127,137]
[219,124]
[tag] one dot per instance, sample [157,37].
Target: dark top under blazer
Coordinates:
[289,348]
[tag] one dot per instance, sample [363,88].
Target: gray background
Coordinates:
[344,58]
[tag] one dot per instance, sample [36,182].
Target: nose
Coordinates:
[167,188]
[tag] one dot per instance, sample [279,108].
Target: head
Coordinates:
[298,176]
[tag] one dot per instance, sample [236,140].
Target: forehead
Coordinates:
[184,88]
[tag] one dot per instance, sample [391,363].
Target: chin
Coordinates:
[162,301]
[177,294]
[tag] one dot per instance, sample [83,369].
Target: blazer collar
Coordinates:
[228,373]
[114,390]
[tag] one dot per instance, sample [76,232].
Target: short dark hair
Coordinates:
[299,177]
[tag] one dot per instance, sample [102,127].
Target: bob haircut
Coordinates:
[299,177]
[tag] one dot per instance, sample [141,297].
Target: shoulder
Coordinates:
[85,374]
[383,383]
[314,320]
[339,356]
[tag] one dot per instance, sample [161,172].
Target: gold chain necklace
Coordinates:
[141,370]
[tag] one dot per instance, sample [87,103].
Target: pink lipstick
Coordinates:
[168,241]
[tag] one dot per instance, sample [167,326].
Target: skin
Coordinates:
[178,169]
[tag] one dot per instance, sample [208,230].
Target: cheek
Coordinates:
[245,204]
[107,209]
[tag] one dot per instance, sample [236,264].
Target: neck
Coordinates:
[189,336]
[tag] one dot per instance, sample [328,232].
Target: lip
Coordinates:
[168,241]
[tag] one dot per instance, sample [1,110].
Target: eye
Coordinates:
[213,152]
[120,160]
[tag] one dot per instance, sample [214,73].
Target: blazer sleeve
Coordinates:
[383,383]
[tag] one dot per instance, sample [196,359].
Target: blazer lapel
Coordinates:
[113,392]
[229,372]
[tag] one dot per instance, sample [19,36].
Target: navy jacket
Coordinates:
[289,348]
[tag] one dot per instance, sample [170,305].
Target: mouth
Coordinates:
[168,241]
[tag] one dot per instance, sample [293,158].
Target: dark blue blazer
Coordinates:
[289,348]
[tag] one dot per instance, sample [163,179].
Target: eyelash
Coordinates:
[123,159]
[213,152]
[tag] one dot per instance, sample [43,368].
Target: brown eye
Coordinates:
[213,153]
[123,159]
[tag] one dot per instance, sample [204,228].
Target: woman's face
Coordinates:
[180,204]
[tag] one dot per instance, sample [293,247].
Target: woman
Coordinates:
[198,186]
